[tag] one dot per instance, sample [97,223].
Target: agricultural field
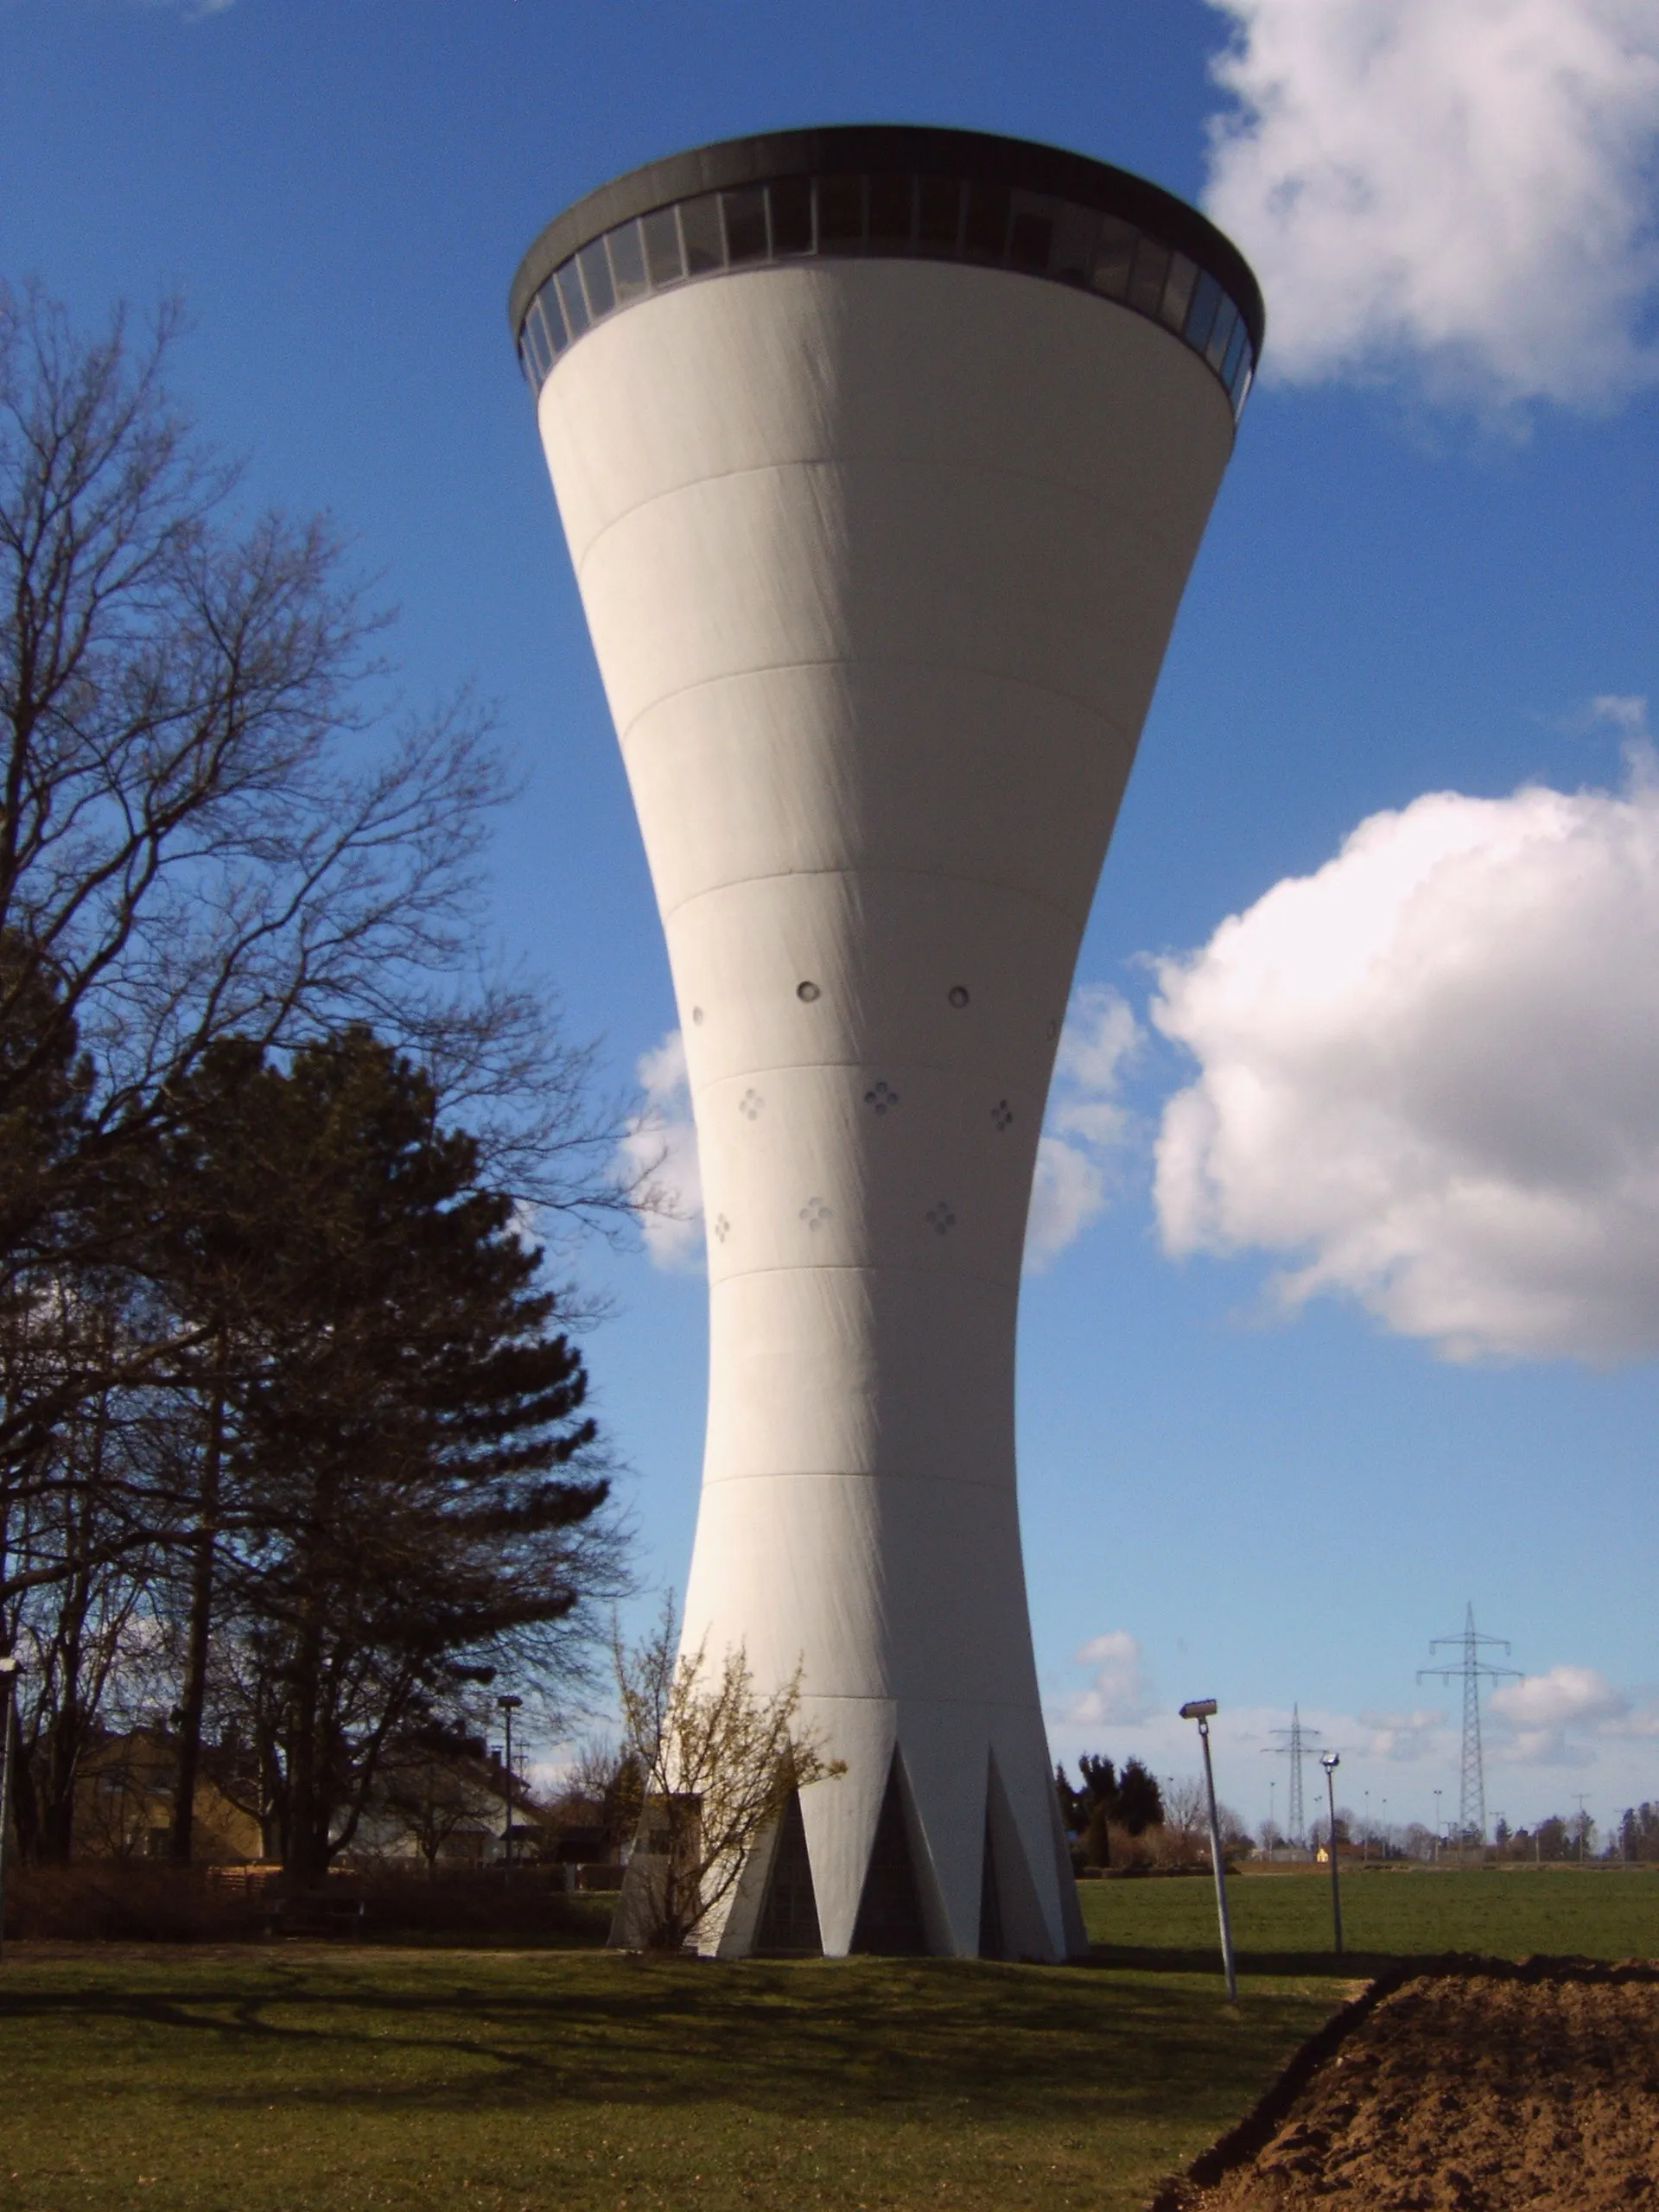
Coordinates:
[1283,1918]
[301,2076]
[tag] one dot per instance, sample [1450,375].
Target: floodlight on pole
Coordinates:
[1202,1709]
[8,1668]
[509,1705]
[1330,1761]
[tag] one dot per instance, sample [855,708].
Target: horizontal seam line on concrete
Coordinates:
[1105,722]
[806,464]
[864,1267]
[894,660]
[861,1068]
[1071,916]
[1000,1485]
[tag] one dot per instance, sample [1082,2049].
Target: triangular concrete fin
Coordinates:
[1024,1927]
[1028,1781]
[1074,1935]
[944,1747]
[840,1814]
[728,1932]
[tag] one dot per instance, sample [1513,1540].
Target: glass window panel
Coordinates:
[553,318]
[1201,315]
[1031,234]
[791,214]
[840,214]
[541,352]
[746,224]
[985,226]
[705,248]
[1221,335]
[1114,257]
[596,278]
[1241,393]
[662,237]
[571,300]
[1235,354]
[627,262]
[938,213]
[1177,291]
[1073,254]
[891,209]
[1147,284]
[535,376]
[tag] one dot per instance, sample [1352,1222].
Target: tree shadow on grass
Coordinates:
[832,2037]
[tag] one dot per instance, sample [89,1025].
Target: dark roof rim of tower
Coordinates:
[976,156]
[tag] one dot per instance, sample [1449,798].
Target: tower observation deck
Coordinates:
[882,455]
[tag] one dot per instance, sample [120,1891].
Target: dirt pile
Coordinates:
[1473,2093]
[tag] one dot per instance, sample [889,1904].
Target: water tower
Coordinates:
[882,456]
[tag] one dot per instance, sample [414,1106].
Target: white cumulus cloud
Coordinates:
[1543,1712]
[1428,1076]
[1087,1125]
[1118,1695]
[1465,186]
[1403,1737]
[658,1159]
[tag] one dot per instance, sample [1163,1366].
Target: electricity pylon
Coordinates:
[1300,1739]
[1471,1669]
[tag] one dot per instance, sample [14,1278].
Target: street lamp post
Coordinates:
[1365,1849]
[1330,1761]
[7,1742]
[509,1705]
[1200,1709]
[1437,1828]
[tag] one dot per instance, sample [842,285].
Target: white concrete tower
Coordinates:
[883,455]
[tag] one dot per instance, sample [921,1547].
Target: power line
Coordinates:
[1299,1739]
[1471,1670]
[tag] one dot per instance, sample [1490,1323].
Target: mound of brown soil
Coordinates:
[1474,2093]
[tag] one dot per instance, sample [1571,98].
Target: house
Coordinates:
[123,1804]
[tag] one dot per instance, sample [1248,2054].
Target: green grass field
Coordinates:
[246,2079]
[251,2079]
[1284,1918]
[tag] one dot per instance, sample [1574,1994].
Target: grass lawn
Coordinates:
[1282,1920]
[253,2079]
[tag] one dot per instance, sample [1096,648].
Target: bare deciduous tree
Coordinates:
[719,1763]
[216,820]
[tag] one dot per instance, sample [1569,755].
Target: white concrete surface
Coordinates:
[880,559]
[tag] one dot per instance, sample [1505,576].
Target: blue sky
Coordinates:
[1350,1304]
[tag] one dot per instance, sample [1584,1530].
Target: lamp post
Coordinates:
[1200,1709]
[1273,1817]
[1385,1832]
[7,1739]
[1437,1828]
[509,1705]
[1330,1761]
[1365,1849]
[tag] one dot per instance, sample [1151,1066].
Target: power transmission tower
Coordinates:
[1471,1669]
[1299,1739]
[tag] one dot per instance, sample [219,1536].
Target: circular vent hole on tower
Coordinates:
[807,992]
[957,994]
